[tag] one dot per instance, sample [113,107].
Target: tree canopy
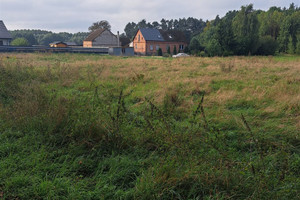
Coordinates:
[253,32]
[20,42]
[100,24]
[190,26]
[40,37]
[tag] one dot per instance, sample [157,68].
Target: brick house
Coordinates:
[148,40]
[101,38]
[5,36]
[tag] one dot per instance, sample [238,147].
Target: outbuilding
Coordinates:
[5,36]
[58,44]
[101,38]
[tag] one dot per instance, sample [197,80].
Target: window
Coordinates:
[136,46]
[181,47]
[139,38]
[157,47]
[151,47]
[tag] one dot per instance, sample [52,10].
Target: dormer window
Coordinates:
[170,36]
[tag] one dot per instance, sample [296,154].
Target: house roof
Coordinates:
[93,35]
[4,34]
[70,43]
[151,34]
[173,36]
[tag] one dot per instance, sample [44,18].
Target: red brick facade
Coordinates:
[143,47]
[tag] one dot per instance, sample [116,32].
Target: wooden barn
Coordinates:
[148,41]
[101,38]
[58,44]
[5,36]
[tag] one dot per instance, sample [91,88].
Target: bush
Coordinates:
[214,48]
[159,52]
[167,55]
[298,47]
[20,42]
[174,50]
[194,46]
[202,54]
[268,46]
[169,50]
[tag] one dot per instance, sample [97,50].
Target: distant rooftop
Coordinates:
[151,34]
[57,42]
[93,35]
[4,34]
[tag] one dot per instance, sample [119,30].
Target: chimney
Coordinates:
[118,38]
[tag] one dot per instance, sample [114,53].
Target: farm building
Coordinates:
[63,44]
[101,38]
[148,41]
[5,36]
[71,44]
[58,44]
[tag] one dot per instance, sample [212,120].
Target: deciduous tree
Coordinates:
[100,24]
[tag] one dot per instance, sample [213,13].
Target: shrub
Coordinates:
[202,54]
[169,50]
[20,42]
[174,50]
[214,48]
[166,55]
[194,46]
[159,52]
[268,46]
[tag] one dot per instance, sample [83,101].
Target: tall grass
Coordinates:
[87,127]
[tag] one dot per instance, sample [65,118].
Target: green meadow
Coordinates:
[75,126]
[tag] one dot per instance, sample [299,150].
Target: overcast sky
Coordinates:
[77,15]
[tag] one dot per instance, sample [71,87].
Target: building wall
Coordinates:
[4,42]
[87,44]
[115,51]
[139,44]
[129,51]
[106,39]
[59,45]
[153,46]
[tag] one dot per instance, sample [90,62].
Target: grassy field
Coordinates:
[76,126]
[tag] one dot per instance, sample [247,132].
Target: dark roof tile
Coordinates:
[92,36]
[4,34]
[173,36]
[151,34]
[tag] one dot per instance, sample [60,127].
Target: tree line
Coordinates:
[189,26]
[240,32]
[250,32]
[41,37]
